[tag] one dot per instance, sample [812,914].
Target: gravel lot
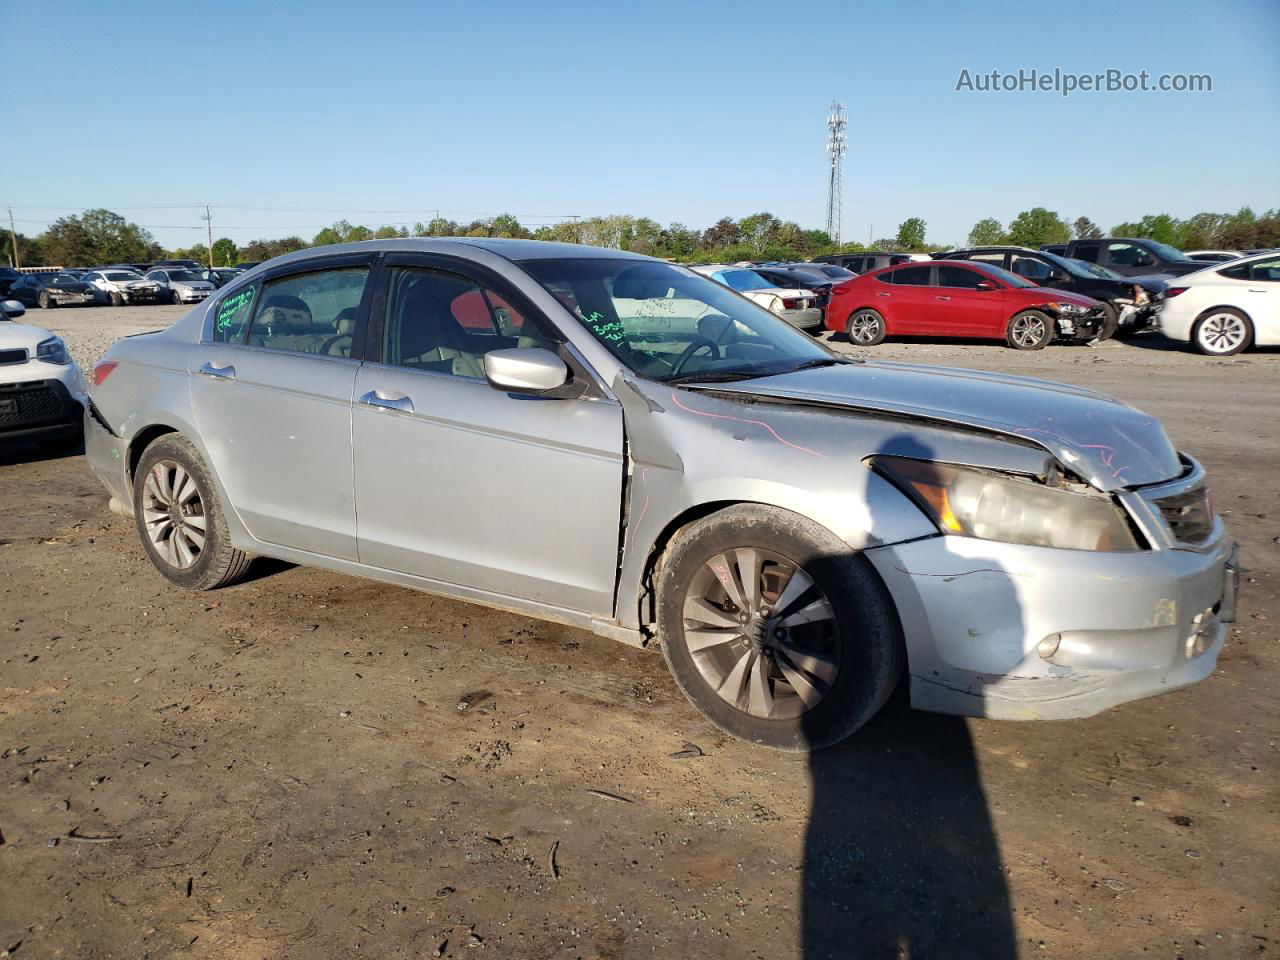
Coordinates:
[309,765]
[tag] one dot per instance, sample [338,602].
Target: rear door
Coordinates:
[271,389]
[913,309]
[511,496]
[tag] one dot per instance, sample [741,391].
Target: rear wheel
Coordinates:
[865,328]
[775,630]
[180,519]
[1029,330]
[1222,332]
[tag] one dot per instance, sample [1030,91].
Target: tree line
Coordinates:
[101,236]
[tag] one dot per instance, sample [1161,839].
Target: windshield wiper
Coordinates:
[717,376]
[820,362]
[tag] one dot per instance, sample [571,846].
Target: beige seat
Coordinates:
[430,337]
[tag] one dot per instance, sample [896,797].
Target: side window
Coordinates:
[445,323]
[309,312]
[1268,271]
[958,277]
[1087,250]
[912,276]
[1128,255]
[996,259]
[232,315]
[1033,268]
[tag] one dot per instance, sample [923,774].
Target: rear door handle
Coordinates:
[942,298]
[400,402]
[882,294]
[222,373]
[1252,290]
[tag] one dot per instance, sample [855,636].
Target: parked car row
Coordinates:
[116,285]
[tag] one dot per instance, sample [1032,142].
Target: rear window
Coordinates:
[232,315]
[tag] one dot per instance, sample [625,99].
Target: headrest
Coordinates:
[284,310]
[344,324]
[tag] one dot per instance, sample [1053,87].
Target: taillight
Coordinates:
[102,369]
[1174,291]
[789,304]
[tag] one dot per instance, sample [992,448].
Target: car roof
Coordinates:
[511,249]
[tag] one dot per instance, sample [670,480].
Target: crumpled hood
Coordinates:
[1106,442]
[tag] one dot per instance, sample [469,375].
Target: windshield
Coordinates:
[183,276]
[839,273]
[669,324]
[120,275]
[66,278]
[744,280]
[1078,268]
[1000,273]
[1166,252]
[1093,269]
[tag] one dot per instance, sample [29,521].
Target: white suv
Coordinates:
[42,394]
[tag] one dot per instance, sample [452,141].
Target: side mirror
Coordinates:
[530,370]
[12,309]
[1056,274]
[985,285]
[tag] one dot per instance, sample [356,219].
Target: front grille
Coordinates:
[28,403]
[1189,516]
[13,356]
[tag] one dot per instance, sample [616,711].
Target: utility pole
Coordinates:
[836,146]
[208,219]
[13,237]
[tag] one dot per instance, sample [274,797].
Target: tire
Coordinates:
[1110,322]
[846,655]
[1222,332]
[1029,330]
[116,298]
[44,302]
[865,327]
[177,553]
[174,298]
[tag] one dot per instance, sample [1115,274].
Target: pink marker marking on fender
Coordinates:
[757,423]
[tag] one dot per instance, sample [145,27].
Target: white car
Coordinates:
[797,306]
[120,286]
[1227,307]
[1219,256]
[42,394]
[180,285]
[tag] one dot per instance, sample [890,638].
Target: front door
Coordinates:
[271,391]
[457,482]
[971,312]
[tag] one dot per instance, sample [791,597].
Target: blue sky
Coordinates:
[289,116]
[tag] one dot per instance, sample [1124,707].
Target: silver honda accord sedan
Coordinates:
[616,443]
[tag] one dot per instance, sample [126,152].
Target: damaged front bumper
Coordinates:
[1080,326]
[1035,633]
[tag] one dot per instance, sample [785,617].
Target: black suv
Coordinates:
[864,262]
[1129,256]
[1129,304]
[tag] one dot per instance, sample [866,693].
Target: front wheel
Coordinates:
[1110,322]
[865,328]
[116,298]
[180,519]
[45,301]
[1029,330]
[1222,332]
[775,631]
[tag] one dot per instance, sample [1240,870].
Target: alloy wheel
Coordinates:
[864,327]
[173,514]
[1222,333]
[762,633]
[1028,331]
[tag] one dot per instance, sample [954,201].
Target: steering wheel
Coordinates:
[687,354]
[329,344]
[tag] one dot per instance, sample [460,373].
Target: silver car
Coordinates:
[612,442]
[180,285]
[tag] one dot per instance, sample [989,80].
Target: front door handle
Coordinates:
[222,373]
[374,398]
[882,294]
[942,298]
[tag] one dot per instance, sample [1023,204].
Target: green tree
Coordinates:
[389,232]
[759,230]
[505,225]
[96,236]
[987,232]
[1086,229]
[341,232]
[1037,226]
[911,234]
[29,253]
[722,233]
[268,249]
[224,252]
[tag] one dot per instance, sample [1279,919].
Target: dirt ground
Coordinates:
[309,765]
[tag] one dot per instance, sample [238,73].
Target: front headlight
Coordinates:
[1139,295]
[972,503]
[1068,308]
[52,350]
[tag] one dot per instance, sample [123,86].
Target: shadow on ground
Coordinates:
[900,855]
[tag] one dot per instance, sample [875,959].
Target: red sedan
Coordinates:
[958,298]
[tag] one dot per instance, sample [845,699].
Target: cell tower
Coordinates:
[836,145]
